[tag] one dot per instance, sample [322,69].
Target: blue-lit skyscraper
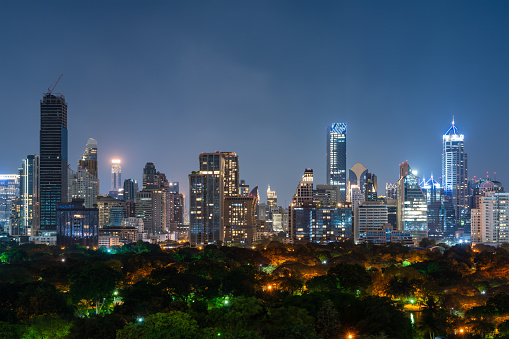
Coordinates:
[53,158]
[336,157]
[455,173]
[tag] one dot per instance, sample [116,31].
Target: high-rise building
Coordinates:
[412,205]
[116,175]
[244,189]
[104,204]
[490,220]
[369,216]
[9,192]
[26,218]
[239,224]
[151,179]
[271,197]
[356,183]
[84,183]
[89,159]
[455,173]
[217,179]
[53,158]
[391,190]
[370,187]
[130,190]
[440,210]
[336,157]
[316,215]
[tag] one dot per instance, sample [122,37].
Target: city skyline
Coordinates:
[396,102]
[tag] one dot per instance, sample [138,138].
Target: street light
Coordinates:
[140,319]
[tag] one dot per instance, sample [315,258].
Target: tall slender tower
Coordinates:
[455,172]
[116,175]
[84,184]
[28,222]
[53,158]
[89,159]
[336,157]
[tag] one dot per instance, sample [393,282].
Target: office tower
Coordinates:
[217,178]
[455,172]
[88,161]
[130,190]
[369,216]
[391,191]
[370,188]
[77,225]
[116,175]
[305,188]
[356,183]
[316,216]
[9,192]
[490,220]
[243,189]
[104,204]
[173,187]
[239,224]
[271,197]
[150,177]
[336,157]
[412,206]
[27,218]
[440,210]
[53,158]
[326,195]
[84,183]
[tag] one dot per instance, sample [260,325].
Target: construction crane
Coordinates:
[51,90]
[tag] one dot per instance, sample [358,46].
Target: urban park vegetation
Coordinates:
[271,290]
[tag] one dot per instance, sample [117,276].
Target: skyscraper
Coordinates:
[455,172]
[356,183]
[116,175]
[27,219]
[84,184]
[336,157]
[412,205]
[53,158]
[217,179]
[9,191]
[89,159]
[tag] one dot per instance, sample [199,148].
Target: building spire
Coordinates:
[453,120]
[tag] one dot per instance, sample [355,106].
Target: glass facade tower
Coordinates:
[455,173]
[53,158]
[336,157]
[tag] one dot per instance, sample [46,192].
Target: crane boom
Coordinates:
[51,90]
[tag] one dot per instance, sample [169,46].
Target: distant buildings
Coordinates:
[356,183]
[53,158]
[336,157]
[320,220]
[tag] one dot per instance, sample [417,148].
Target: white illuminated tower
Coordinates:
[116,175]
[336,157]
[455,172]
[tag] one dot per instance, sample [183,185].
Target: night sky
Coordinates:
[163,81]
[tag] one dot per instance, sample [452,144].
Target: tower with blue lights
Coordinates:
[336,157]
[455,173]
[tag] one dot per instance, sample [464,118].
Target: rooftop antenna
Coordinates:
[51,90]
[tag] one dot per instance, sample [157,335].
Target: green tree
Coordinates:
[432,320]
[94,283]
[47,328]
[175,325]
[327,320]
[350,278]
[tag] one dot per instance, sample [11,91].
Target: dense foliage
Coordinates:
[268,291]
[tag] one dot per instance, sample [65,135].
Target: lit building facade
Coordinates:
[217,179]
[369,216]
[9,192]
[356,183]
[490,220]
[239,226]
[336,157]
[116,175]
[53,159]
[455,173]
[26,220]
[412,205]
[77,225]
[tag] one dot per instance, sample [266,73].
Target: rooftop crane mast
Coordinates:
[51,90]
